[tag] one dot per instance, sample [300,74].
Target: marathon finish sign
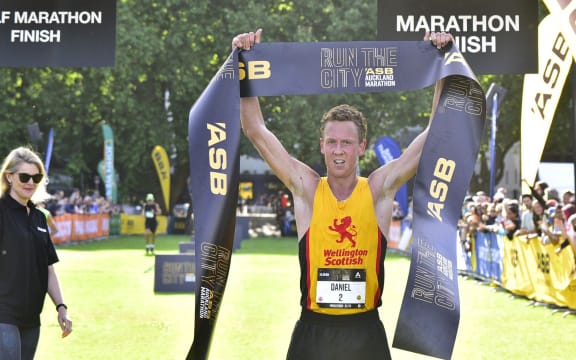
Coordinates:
[69,33]
[430,311]
[495,36]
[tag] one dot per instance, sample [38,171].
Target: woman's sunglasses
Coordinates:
[24,178]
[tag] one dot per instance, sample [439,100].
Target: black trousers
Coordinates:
[334,337]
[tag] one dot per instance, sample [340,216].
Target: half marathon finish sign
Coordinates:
[35,33]
[495,36]
[430,311]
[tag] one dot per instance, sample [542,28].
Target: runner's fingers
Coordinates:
[246,41]
[440,39]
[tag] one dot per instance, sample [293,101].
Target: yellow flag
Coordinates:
[541,94]
[162,164]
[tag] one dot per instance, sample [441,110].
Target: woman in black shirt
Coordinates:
[27,256]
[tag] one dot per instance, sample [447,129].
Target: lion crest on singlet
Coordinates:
[345,229]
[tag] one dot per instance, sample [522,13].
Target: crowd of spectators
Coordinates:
[76,203]
[542,213]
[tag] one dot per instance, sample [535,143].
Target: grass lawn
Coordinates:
[109,284]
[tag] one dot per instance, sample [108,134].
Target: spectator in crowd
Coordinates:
[288,221]
[541,187]
[24,235]
[53,204]
[397,211]
[491,218]
[571,233]
[49,218]
[538,192]
[568,197]
[474,217]
[481,197]
[526,215]
[553,229]
[500,195]
[552,194]
[511,221]
[539,217]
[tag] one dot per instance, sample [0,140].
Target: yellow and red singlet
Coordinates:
[342,253]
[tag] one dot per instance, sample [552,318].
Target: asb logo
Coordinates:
[254,70]
[345,229]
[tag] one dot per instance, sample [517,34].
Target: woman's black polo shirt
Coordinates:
[26,251]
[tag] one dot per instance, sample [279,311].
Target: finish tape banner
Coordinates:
[430,314]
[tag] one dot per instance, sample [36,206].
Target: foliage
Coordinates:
[172,46]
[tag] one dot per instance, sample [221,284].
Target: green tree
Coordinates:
[176,46]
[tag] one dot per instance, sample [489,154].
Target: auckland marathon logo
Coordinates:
[358,67]
[345,229]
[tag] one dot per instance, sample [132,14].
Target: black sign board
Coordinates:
[35,33]
[174,273]
[495,36]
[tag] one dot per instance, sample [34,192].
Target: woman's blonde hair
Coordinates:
[12,163]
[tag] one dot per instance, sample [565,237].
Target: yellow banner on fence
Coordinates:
[134,224]
[537,272]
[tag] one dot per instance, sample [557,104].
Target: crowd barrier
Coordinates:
[523,266]
[81,227]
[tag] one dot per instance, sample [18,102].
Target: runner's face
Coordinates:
[341,147]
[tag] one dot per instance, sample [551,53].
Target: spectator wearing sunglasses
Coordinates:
[27,257]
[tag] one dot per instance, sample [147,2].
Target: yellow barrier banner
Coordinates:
[134,224]
[537,272]
[517,261]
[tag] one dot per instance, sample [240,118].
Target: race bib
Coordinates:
[341,288]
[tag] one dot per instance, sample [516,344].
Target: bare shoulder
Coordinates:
[303,196]
[382,181]
[303,181]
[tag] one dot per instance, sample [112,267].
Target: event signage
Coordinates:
[162,165]
[57,33]
[541,95]
[109,172]
[430,314]
[174,273]
[495,36]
